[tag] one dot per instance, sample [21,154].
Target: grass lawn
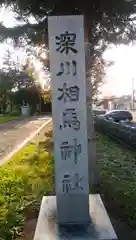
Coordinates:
[7,118]
[30,174]
[118,178]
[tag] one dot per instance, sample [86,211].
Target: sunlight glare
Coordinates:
[43,55]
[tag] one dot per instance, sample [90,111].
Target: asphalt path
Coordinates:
[15,134]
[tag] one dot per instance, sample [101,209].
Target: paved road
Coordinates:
[13,134]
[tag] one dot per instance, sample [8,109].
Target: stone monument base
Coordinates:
[100,227]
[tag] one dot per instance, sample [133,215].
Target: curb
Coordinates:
[18,148]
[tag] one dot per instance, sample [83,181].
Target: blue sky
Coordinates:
[118,78]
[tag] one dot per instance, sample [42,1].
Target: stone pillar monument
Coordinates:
[72,213]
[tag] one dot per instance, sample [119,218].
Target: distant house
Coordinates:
[107,103]
[113,102]
[124,102]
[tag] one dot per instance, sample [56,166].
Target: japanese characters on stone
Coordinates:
[66,42]
[70,151]
[69,93]
[70,119]
[71,182]
[68,68]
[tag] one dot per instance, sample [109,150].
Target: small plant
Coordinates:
[123,131]
[49,134]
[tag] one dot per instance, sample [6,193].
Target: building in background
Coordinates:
[109,103]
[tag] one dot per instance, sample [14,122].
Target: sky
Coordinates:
[7,18]
[118,79]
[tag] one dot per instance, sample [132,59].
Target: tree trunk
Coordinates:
[93,170]
[11,105]
[4,102]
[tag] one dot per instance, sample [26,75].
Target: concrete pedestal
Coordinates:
[100,227]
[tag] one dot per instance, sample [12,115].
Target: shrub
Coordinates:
[122,131]
[99,112]
[23,181]
[118,178]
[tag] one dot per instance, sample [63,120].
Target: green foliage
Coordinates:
[6,83]
[123,131]
[107,21]
[11,78]
[97,73]
[46,96]
[118,177]
[7,118]
[15,111]
[23,181]
[30,174]
[30,95]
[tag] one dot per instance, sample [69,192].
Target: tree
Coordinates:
[12,79]
[105,22]
[7,62]
[6,84]
[37,63]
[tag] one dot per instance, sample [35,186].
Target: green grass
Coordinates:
[118,177]
[30,174]
[23,181]
[7,118]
